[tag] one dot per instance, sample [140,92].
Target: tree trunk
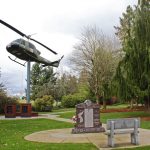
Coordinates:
[104,104]
[137,102]
[147,103]
[97,99]
[131,104]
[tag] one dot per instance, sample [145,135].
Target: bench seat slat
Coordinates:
[120,132]
[125,123]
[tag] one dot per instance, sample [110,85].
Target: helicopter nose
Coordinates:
[8,46]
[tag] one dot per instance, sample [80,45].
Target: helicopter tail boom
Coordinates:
[54,64]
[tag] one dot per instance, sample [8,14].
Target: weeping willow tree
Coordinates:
[133,72]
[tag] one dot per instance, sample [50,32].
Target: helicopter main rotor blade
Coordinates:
[43,45]
[14,29]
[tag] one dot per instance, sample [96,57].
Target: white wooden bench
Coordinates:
[123,126]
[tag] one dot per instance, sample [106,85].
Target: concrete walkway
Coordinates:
[53,116]
[98,139]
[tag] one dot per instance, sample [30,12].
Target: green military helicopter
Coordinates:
[25,50]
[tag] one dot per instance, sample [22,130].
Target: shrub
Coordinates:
[6,100]
[44,104]
[69,101]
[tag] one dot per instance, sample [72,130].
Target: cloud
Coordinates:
[58,24]
[13,81]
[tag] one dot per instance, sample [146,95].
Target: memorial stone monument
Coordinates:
[10,111]
[23,110]
[88,118]
[26,110]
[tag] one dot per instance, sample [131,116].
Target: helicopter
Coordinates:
[27,51]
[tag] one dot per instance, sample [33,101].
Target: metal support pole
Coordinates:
[28,82]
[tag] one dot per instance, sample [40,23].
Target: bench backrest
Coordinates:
[124,123]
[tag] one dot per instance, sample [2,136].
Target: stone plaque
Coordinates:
[88,118]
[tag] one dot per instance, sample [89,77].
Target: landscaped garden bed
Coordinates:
[126,109]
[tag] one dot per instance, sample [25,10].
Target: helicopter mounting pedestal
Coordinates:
[28,81]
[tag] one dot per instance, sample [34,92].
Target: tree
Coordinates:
[35,79]
[44,104]
[65,84]
[133,71]
[83,84]
[60,87]
[104,65]
[95,54]
[4,99]
[2,89]
[42,81]
[1,84]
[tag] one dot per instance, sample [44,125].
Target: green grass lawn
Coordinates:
[136,148]
[63,109]
[58,111]
[12,134]
[118,105]
[105,116]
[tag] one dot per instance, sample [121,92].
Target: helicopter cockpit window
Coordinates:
[31,46]
[23,42]
[18,41]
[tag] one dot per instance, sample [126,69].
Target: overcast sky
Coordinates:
[57,23]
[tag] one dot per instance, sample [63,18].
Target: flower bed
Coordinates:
[137,108]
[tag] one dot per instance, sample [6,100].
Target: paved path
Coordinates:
[56,117]
[98,139]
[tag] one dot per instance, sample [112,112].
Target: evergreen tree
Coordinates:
[134,70]
[42,81]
